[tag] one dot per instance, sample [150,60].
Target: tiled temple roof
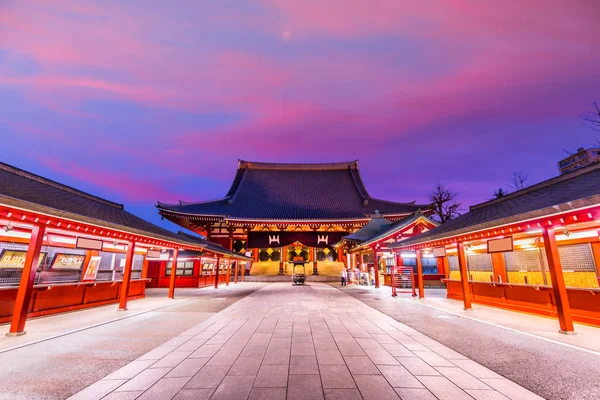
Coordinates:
[28,191]
[566,192]
[265,191]
[379,228]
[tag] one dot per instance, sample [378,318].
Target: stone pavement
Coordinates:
[309,342]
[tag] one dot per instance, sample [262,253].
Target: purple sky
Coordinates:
[140,101]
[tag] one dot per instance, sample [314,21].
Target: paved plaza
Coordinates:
[309,342]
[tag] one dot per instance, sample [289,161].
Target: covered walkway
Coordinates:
[309,342]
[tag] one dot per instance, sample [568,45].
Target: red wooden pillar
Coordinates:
[499,268]
[420,282]
[228,276]
[236,271]
[173,274]
[399,260]
[126,276]
[341,255]
[217,272]
[282,257]
[32,259]
[244,271]
[558,283]
[464,277]
[375,267]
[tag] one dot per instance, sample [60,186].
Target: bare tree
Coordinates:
[500,193]
[592,118]
[444,203]
[519,181]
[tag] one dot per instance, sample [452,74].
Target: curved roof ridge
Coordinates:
[231,199]
[358,183]
[298,166]
[57,185]
[410,203]
[189,203]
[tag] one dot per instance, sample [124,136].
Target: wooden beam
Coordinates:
[32,259]
[173,274]
[558,282]
[464,277]
[126,276]
[420,282]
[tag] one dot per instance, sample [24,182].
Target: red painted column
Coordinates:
[464,277]
[32,259]
[420,282]
[376,267]
[236,271]
[126,276]
[558,282]
[244,271]
[228,276]
[341,255]
[173,274]
[217,272]
[399,260]
[499,268]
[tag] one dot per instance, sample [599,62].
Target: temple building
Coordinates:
[536,250]
[278,213]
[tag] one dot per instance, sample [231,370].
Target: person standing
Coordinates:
[344,275]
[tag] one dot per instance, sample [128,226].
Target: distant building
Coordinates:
[582,158]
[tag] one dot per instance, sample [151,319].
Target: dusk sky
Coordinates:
[139,101]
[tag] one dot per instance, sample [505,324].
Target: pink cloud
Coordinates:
[120,184]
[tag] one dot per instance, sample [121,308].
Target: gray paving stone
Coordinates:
[206,350]
[433,359]
[144,380]
[414,394]
[336,377]
[194,394]
[303,349]
[304,387]
[486,395]
[350,349]
[443,389]
[462,379]
[398,376]
[130,370]
[272,376]
[234,388]
[245,366]
[330,357]
[397,350]
[166,388]
[98,389]
[277,356]
[416,366]
[224,357]
[511,389]
[375,387]
[268,394]
[361,365]
[187,368]
[209,377]
[171,359]
[123,395]
[303,365]
[342,394]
